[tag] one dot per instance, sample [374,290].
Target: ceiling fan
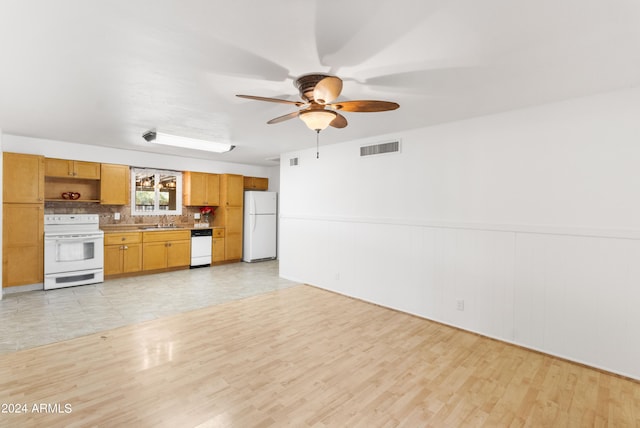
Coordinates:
[319,108]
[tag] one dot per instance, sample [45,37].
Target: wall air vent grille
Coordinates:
[293,162]
[379,149]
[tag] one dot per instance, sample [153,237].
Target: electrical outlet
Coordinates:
[460,305]
[196,216]
[116,216]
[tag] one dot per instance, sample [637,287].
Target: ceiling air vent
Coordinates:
[293,162]
[381,148]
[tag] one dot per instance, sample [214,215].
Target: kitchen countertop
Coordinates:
[123,228]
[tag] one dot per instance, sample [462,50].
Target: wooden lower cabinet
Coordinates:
[217,245]
[22,244]
[122,253]
[162,250]
[233,233]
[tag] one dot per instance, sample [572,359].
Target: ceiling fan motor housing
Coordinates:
[307,83]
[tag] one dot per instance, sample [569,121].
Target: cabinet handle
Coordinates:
[124,239]
[124,247]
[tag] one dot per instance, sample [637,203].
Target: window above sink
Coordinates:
[156,192]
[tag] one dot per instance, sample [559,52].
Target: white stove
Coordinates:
[73,250]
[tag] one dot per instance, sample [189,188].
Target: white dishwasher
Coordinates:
[201,247]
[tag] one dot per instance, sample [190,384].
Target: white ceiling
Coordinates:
[104,72]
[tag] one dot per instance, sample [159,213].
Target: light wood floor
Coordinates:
[304,357]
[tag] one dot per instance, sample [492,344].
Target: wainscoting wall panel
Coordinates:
[568,295]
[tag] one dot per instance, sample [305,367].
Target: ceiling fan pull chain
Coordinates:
[317,144]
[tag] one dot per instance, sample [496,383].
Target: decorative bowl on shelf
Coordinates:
[71,195]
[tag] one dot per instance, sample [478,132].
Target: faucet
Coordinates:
[164,222]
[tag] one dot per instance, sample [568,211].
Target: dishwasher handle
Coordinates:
[201,232]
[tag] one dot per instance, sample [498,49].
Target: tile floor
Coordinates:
[36,318]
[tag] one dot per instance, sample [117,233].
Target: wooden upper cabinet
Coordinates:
[23,178]
[71,169]
[114,184]
[256,183]
[232,190]
[200,189]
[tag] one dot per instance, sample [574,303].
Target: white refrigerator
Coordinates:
[260,213]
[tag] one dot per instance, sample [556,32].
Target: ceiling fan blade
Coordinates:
[284,117]
[339,122]
[365,106]
[327,90]
[271,100]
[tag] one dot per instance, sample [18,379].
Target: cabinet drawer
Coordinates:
[162,236]
[119,238]
[218,233]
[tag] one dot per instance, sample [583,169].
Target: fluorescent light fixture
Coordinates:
[186,142]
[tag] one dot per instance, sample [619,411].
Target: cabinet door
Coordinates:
[217,249]
[260,183]
[114,184]
[131,258]
[233,233]
[234,190]
[22,244]
[235,195]
[178,253]
[256,183]
[58,167]
[194,188]
[112,259]
[154,255]
[23,178]
[213,190]
[88,170]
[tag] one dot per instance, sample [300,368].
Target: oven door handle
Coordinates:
[73,237]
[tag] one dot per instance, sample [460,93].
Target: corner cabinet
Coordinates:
[166,249]
[22,220]
[114,184]
[200,189]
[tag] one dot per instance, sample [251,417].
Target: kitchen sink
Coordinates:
[161,227]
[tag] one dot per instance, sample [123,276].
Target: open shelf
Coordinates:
[71,200]
[54,187]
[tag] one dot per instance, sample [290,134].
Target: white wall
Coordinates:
[531,217]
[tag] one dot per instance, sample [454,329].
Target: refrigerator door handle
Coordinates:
[254,222]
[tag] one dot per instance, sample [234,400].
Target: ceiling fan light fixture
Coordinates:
[317,120]
[186,142]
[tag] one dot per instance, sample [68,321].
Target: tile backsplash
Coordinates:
[107,212]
